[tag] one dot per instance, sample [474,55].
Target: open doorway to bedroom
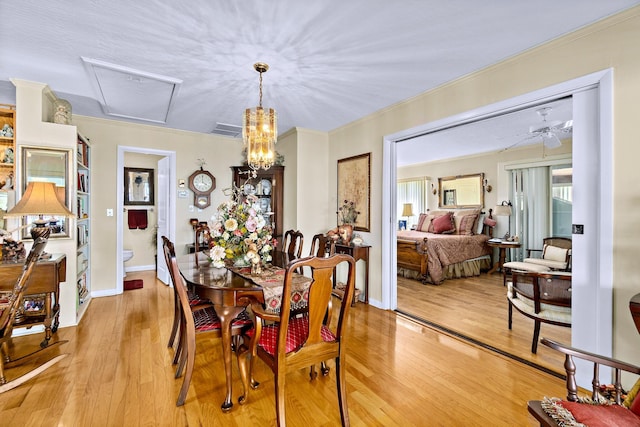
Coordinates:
[592,115]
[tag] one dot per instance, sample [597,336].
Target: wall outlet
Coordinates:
[109,212]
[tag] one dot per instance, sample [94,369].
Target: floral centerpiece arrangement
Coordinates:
[240,234]
[348,213]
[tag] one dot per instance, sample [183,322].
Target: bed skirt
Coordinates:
[468,268]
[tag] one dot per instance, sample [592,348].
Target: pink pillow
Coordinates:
[443,224]
[490,222]
[601,415]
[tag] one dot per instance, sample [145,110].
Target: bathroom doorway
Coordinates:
[160,216]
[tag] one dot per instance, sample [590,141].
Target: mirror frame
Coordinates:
[66,223]
[129,182]
[444,195]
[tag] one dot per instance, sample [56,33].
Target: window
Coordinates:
[561,200]
[412,191]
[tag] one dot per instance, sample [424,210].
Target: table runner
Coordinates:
[272,281]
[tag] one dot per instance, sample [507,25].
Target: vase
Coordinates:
[256,268]
[346,232]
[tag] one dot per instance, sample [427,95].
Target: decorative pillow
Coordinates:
[421,220]
[601,415]
[443,224]
[426,225]
[554,253]
[574,414]
[490,222]
[479,224]
[465,225]
[635,406]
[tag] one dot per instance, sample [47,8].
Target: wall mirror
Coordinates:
[462,191]
[138,187]
[48,165]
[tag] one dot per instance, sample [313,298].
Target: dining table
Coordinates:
[231,289]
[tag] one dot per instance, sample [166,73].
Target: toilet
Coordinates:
[127,254]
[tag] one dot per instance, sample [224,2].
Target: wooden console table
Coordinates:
[360,252]
[45,280]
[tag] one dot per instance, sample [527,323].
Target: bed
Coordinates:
[431,256]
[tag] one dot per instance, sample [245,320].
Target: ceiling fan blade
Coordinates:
[551,140]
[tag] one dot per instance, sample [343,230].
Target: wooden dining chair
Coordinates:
[192,322]
[8,311]
[195,303]
[288,343]
[322,246]
[292,245]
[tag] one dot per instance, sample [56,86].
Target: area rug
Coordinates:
[132,284]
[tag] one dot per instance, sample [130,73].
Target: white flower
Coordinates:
[231,224]
[225,236]
[217,253]
[260,222]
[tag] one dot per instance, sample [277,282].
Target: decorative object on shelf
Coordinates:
[8,156]
[354,186]
[40,198]
[6,131]
[504,209]
[240,233]
[346,232]
[202,183]
[12,250]
[6,183]
[260,130]
[62,113]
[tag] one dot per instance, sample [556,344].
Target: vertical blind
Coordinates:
[412,191]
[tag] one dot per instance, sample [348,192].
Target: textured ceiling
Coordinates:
[332,61]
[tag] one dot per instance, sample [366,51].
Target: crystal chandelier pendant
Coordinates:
[260,131]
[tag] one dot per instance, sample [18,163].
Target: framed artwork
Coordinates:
[138,187]
[354,191]
[450,197]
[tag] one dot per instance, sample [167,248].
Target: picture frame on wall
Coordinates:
[138,187]
[354,192]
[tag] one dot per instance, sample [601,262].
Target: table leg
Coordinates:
[226,315]
[502,254]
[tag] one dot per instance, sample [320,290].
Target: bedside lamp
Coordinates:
[40,198]
[407,210]
[504,209]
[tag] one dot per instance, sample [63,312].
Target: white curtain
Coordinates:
[412,191]
[530,219]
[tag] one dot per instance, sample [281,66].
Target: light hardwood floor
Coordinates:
[477,307]
[399,373]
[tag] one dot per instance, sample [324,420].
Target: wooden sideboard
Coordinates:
[43,286]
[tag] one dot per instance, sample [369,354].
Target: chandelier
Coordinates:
[260,130]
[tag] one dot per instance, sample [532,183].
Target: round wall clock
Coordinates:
[202,183]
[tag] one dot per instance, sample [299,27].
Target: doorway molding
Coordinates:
[122,149]
[593,321]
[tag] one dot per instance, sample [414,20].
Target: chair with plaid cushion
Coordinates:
[196,321]
[195,302]
[288,343]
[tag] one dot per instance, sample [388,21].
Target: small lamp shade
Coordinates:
[407,209]
[502,210]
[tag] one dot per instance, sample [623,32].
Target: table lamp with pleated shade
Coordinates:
[40,198]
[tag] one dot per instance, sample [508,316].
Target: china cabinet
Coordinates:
[267,186]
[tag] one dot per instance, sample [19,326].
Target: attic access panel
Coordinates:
[134,94]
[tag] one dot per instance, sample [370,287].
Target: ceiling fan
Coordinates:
[549,132]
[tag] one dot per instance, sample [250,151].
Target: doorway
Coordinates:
[592,169]
[165,204]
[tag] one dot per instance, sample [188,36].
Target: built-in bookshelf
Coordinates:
[83,194]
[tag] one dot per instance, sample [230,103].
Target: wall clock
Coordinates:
[202,183]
